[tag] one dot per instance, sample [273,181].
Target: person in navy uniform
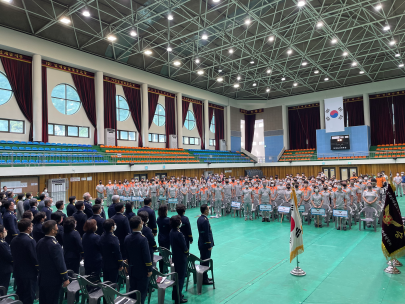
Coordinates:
[10,221]
[58,219]
[139,260]
[41,203]
[99,201]
[71,209]
[28,215]
[60,206]
[179,257]
[47,209]
[87,205]
[205,239]
[80,217]
[27,202]
[25,263]
[152,216]
[52,269]
[72,245]
[92,250]
[163,223]
[185,227]
[37,232]
[34,206]
[128,210]
[122,225]
[97,217]
[6,260]
[111,209]
[111,253]
[147,232]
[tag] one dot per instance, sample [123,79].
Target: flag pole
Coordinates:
[297,271]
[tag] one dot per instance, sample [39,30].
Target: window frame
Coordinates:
[67,132]
[213,142]
[118,108]
[187,121]
[9,128]
[12,93]
[120,138]
[196,140]
[151,135]
[156,114]
[65,99]
[212,123]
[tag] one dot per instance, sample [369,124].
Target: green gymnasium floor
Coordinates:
[251,265]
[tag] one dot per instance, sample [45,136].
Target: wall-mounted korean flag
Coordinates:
[334,118]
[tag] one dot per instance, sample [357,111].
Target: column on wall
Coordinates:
[322,113]
[285,127]
[366,109]
[206,125]
[145,115]
[37,97]
[179,98]
[99,107]
[228,128]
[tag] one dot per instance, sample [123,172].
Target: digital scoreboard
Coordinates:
[340,142]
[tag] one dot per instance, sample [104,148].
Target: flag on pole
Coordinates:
[296,242]
[393,239]
[334,117]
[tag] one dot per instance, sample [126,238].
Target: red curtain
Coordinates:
[19,74]
[353,111]
[133,97]
[249,131]
[45,137]
[198,113]
[170,115]
[184,108]
[152,102]
[110,107]
[381,121]
[86,89]
[303,123]
[219,126]
[399,113]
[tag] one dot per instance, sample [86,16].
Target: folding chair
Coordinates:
[198,271]
[112,296]
[161,288]
[370,216]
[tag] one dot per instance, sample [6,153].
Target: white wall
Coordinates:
[158,130]
[11,110]
[55,77]
[191,133]
[126,125]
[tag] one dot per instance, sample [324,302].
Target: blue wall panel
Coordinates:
[360,141]
[235,143]
[273,147]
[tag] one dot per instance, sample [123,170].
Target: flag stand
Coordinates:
[392,267]
[297,271]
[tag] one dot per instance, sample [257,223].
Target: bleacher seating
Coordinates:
[217,156]
[298,155]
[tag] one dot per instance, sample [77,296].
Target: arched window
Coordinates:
[65,99]
[189,123]
[5,89]
[159,119]
[122,108]
[212,125]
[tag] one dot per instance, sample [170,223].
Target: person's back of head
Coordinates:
[20,196]
[47,202]
[48,226]
[115,199]
[203,208]
[28,195]
[97,201]
[162,212]
[24,225]
[6,204]
[56,217]
[96,208]
[28,215]
[134,222]
[128,207]
[42,197]
[10,194]
[79,205]
[147,201]
[33,202]
[144,216]
[118,207]
[69,224]
[175,221]
[39,217]
[90,226]
[108,224]
[59,204]
[72,199]
[180,209]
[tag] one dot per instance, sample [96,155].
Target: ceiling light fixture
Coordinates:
[86,12]
[271,38]
[147,52]
[268,71]
[236,85]
[197,61]
[267,90]
[401,65]
[304,63]
[295,84]
[326,79]
[170,17]
[220,79]
[333,41]
[254,84]
[354,63]
[316,72]
[65,20]
[392,42]
[361,72]
[133,33]
[319,24]
[397,55]
[378,7]
[200,72]
[386,27]
[219,71]
[112,38]
[176,63]
[282,79]
[247,21]
[169,49]
[7,1]
[230,51]
[301,3]
[289,51]
[238,78]
[252,62]
[344,54]
[204,36]
[216,1]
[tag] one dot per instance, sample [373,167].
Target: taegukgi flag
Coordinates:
[296,242]
[334,117]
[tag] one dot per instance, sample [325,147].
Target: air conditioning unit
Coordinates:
[222,144]
[173,141]
[58,189]
[109,137]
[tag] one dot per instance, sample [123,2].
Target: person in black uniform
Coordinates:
[99,201]
[179,257]
[111,253]
[128,210]
[27,202]
[111,210]
[58,219]
[147,232]
[47,209]
[139,261]
[72,245]
[6,260]
[122,224]
[152,216]
[52,269]
[34,206]
[71,209]
[60,206]
[163,223]
[80,217]
[185,224]
[205,239]
[97,217]
[87,205]
[28,215]
[10,221]
[25,263]
[37,232]
[92,250]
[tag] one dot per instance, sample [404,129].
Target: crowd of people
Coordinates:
[39,246]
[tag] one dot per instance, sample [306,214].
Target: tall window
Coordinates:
[65,99]
[5,89]
[189,123]
[212,125]
[122,108]
[159,119]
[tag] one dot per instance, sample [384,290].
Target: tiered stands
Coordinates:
[298,155]
[216,156]
[388,151]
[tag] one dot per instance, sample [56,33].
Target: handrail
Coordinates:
[281,153]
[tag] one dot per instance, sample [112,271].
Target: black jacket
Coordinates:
[25,263]
[100,221]
[110,251]
[72,245]
[81,219]
[137,250]
[152,218]
[6,259]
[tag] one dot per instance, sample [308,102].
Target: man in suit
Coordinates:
[110,250]
[87,205]
[80,217]
[185,227]
[122,226]
[205,239]
[19,210]
[58,219]
[52,269]
[147,232]
[152,216]
[47,209]
[97,217]
[111,208]
[27,202]
[33,206]
[71,209]
[6,260]
[140,264]
[10,221]
[60,206]
[25,264]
